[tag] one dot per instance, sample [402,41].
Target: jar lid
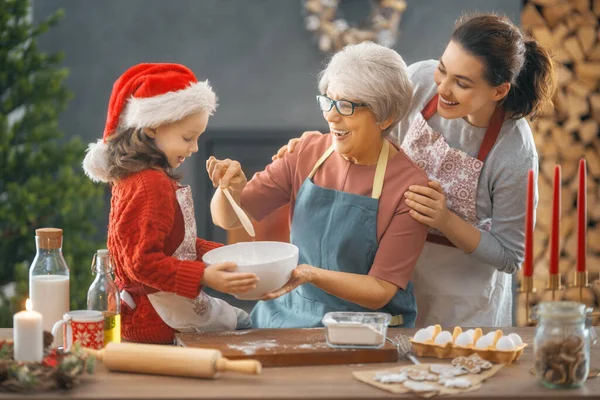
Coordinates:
[49,238]
[561,310]
[103,252]
[49,232]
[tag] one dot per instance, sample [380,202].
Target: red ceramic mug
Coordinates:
[83,326]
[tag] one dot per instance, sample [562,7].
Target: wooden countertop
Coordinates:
[311,382]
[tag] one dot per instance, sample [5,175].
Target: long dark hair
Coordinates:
[510,56]
[131,151]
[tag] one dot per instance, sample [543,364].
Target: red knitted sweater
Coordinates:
[145,228]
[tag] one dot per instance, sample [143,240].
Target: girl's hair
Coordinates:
[130,150]
[511,57]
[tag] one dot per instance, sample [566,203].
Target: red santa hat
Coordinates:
[147,96]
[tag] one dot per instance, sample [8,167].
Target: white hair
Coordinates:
[371,74]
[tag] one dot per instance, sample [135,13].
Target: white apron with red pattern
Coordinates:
[453,288]
[204,313]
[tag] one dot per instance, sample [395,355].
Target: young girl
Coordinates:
[156,114]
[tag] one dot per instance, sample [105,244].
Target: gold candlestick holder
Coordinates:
[581,281]
[527,289]
[555,291]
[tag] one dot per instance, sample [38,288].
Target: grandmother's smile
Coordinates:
[339,134]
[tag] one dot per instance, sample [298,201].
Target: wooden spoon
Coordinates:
[246,223]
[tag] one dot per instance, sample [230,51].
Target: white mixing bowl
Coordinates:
[272,262]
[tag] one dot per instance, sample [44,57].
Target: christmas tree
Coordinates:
[41,180]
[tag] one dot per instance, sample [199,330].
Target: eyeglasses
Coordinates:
[344,107]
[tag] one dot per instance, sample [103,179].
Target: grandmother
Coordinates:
[358,243]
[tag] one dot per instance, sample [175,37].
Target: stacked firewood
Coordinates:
[570,28]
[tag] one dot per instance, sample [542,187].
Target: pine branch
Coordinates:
[41,181]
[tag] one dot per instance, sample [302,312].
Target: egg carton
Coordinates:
[429,348]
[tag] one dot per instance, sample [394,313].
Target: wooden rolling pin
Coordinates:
[170,360]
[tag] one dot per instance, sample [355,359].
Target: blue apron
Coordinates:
[337,231]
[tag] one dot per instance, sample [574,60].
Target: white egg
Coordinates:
[491,335]
[422,336]
[505,343]
[484,342]
[470,332]
[464,339]
[431,330]
[442,338]
[516,339]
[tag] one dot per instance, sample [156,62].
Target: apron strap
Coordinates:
[491,134]
[437,239]
[321,161]
[430,108]
[379,170]
[137,289]
[397,320]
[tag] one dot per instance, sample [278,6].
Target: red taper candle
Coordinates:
[555,235]
[582,217]
[529,218]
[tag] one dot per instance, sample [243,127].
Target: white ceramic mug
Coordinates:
[83,326]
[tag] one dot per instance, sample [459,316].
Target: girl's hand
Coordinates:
[428,205]
[226,174]
[303,273]
[222,277]
[291,145]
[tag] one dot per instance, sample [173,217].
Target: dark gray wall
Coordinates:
[257,54]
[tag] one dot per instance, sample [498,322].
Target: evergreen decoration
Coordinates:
[56,371]
[42,183]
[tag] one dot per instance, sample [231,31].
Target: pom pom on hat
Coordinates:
[147,96]
[95,163]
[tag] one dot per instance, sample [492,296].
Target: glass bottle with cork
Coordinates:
[49,279]
[103,295]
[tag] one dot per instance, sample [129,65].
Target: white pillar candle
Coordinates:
[28,335]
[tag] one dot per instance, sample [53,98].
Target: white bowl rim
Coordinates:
[286,244]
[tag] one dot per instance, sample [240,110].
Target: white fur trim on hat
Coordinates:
[95,163]
[154,111]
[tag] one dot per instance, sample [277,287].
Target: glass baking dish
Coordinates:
[363,330]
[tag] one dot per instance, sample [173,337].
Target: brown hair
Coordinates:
[131,150]
[511,57]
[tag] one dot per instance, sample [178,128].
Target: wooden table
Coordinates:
[313,382]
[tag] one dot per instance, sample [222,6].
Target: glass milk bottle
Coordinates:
[103,295]
[49,279]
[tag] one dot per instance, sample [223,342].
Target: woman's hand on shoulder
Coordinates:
[428,205]
[291,145]
[222,277]
[226,173]
[302,274]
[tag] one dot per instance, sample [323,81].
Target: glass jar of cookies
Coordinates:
[562,343]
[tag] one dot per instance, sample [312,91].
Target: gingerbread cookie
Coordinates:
[389,377]
[419,375]
[455,383]
[447,371]
[562,361]
[420,386]
[472,364]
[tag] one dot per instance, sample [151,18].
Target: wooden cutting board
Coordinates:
[284,347]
